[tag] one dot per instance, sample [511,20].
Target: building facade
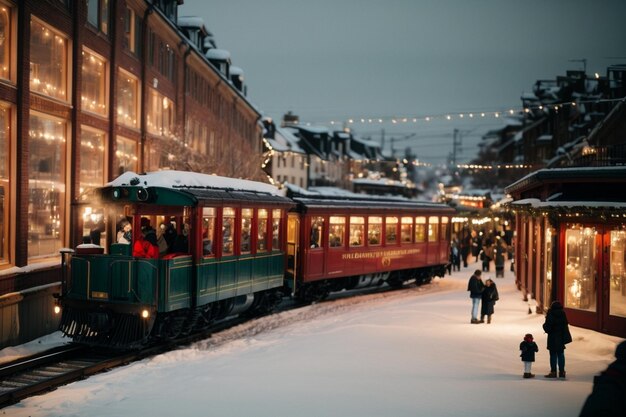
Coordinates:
[89,90]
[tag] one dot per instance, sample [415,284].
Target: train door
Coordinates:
[293,239]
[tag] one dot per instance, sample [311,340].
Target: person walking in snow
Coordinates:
[489,297]
[608,397]
[475,286]
[556,326]
[528,348]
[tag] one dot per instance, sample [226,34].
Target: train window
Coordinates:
[246,228]
[208,231]
[94,228]
[420,229]
[391,230]
[276,217]
[433,228]
[337,231]
[261,238]
[357,227]
[406,230]
[317,231]
[228,229]
[444,228]
[374,230]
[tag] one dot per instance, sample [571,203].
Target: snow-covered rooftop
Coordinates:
[191,22]
[219,54]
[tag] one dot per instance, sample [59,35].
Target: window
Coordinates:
[6,15]
[5,184]
[246,229]
[132,32]
[94,225]
[357,229]
[261,234]
[433,228]
[617,295]
[444,228]
[125,155]
[48,61]
[228,229]
[92,145]
[160,118]
[46,186]
[208,231]
[374,230]
[317,231]
[93,86]
[98,14]
[276,218]
[406,230]
[420,229]
[547,294]
[337,231]
[391,230]
[127,99]
[580,267]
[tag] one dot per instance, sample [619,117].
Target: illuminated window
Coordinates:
[548,263]
[7,41]
[132,27]
[374,230]
[127,99]
[391,230]
[617,296]
[277,215]
[337,231]
[444,228]
[94,225]
[357,231]
[208,231]
[160,119]
[92,145]
[98,14]
[93,86]
[46,186]
[261,239]
[317,231]
[420,229]
[246,228]
[406,230]
[580,268]
[125,155]
[433,229]
[5,184]
[228,230]
[48,61]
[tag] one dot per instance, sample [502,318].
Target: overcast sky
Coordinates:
[332,60]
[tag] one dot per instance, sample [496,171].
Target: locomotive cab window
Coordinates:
[317,231]
[406,230]
[246,229]
[261,238]
[337,231]
[357,227]
[208,231]
[228,230]
[374,230]
[420,229]
[433,228]
[94,225]
[391,230]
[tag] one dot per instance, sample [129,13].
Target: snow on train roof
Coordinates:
[183,179]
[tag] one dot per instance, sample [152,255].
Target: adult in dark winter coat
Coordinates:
[556,326]
[475,286]
[608,397]
[489,298]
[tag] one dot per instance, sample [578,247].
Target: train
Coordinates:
[235,247]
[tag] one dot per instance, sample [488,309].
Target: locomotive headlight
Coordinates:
[57,309]
[145,314]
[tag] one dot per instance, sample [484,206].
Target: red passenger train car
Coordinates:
[346,242]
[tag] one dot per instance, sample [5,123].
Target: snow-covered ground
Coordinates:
[395,353]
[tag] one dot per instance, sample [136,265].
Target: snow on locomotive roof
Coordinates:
[183,179]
